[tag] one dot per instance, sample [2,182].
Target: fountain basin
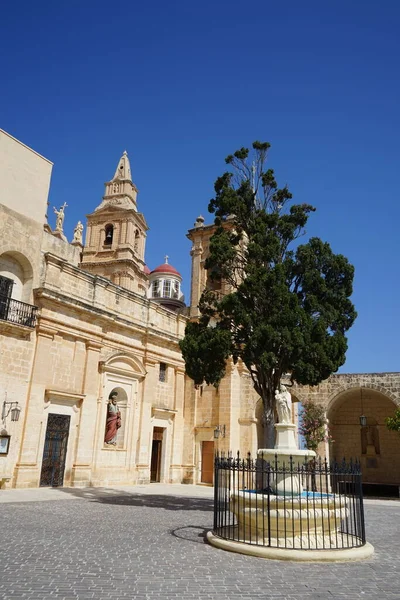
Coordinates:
[261,517]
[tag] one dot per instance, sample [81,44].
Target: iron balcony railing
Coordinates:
[17,312]
[309,506]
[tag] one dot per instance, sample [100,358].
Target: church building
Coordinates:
[93,388]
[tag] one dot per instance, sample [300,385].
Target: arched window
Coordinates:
[136,245]
[109,232]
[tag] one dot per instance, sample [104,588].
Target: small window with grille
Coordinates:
[163,372]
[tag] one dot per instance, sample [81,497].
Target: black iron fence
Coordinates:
[293,503]
[17,312]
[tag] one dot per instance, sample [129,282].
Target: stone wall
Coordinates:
[24,178]
[24,185]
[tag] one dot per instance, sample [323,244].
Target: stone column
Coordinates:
[195,292]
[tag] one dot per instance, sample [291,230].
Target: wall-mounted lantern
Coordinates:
[219,431]
[363,418]
[13,408]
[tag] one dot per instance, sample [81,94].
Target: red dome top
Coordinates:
[166,268]
[146,270]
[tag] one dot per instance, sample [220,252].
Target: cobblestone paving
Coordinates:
[115,544]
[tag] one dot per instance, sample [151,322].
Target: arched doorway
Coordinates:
[377,448]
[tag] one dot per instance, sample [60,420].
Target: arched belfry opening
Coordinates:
[108,234]
[137,240]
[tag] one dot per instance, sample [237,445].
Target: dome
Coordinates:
[165,287]
[166,268]
[146,270]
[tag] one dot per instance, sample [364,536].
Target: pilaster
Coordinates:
[176,474]
[27,468]
[145,435]
[81,472]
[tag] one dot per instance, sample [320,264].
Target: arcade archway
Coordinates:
[374,445]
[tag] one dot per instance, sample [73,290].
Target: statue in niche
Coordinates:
[370,440]
[78,232]
[60,216]
[283,404]
[113,422]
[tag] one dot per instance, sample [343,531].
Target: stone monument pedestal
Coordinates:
[285,458]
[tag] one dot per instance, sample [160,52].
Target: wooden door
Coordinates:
[207,462]
[156,453]
[155,471]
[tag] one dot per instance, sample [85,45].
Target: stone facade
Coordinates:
[96,332]
[99,330]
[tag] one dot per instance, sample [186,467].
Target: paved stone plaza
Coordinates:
[148,543]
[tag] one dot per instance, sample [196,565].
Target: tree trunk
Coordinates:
[269,422]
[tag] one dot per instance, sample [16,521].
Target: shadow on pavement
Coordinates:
[119,497]
[190,533]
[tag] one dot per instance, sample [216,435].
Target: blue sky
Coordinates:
[180,85]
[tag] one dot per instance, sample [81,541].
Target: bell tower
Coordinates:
[116,234]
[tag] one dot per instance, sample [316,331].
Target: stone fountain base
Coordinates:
[346,554]
[301,522]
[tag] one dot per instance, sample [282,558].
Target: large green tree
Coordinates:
[287,306]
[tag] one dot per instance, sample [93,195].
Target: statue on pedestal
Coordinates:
[78,233]
[283,404]
[60,217]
